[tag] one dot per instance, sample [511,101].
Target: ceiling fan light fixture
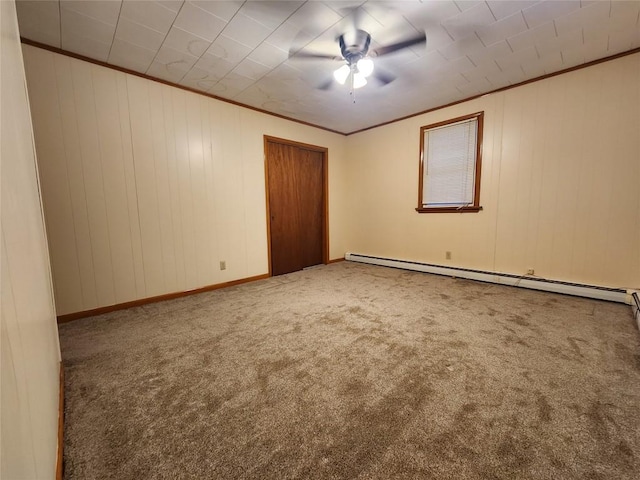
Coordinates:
[341,74]
[359,80]
[365,66]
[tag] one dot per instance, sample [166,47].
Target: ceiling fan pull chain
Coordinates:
[352,76]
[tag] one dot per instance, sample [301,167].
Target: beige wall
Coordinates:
[560,183]
[30,354]
[147,187]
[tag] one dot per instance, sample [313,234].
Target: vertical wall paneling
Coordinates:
[184,186]
[113,176]
[531,180]
[172,190]
[72,157]
[93,177]
[254,194]
[130,187]
[588,124]
[550,121]
[158,117]
[595,201]
[197,187]
[237,216]
[559,183]
[625,197]
[217,119]
[229,186]
[30,353]
[61,218]
[484,244]
[568,132]
[148,187]
[17,454]
[222,121]
[209,223]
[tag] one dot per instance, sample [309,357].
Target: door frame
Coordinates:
[325,192]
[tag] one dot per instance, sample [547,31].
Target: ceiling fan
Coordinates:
[355,52]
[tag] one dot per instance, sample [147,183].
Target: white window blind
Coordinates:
[450,164]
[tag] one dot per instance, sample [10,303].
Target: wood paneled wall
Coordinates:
[560,183]
[30,354]
[148,187]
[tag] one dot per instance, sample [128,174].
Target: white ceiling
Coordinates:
[239,50]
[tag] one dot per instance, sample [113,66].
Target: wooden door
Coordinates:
[296,205]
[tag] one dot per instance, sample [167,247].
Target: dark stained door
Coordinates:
[296,206]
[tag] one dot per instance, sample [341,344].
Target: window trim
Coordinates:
[478,166]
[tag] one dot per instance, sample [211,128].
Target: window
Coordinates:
[450,162]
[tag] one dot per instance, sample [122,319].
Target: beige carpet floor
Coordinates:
[351,371]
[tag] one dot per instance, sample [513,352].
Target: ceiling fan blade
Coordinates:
[305,55]
[383,77]
[394,47]
[326,85]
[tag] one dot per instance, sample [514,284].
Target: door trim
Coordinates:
[325,192]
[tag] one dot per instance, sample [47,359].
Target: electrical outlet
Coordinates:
[223,265]
[530,271]
[447,255]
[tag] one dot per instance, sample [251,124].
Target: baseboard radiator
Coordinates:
[635,306]
[534,283]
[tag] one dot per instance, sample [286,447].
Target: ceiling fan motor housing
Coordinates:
[353,49]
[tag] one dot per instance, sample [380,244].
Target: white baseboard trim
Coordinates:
[591,291]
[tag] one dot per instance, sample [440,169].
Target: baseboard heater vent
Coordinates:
[580,290]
